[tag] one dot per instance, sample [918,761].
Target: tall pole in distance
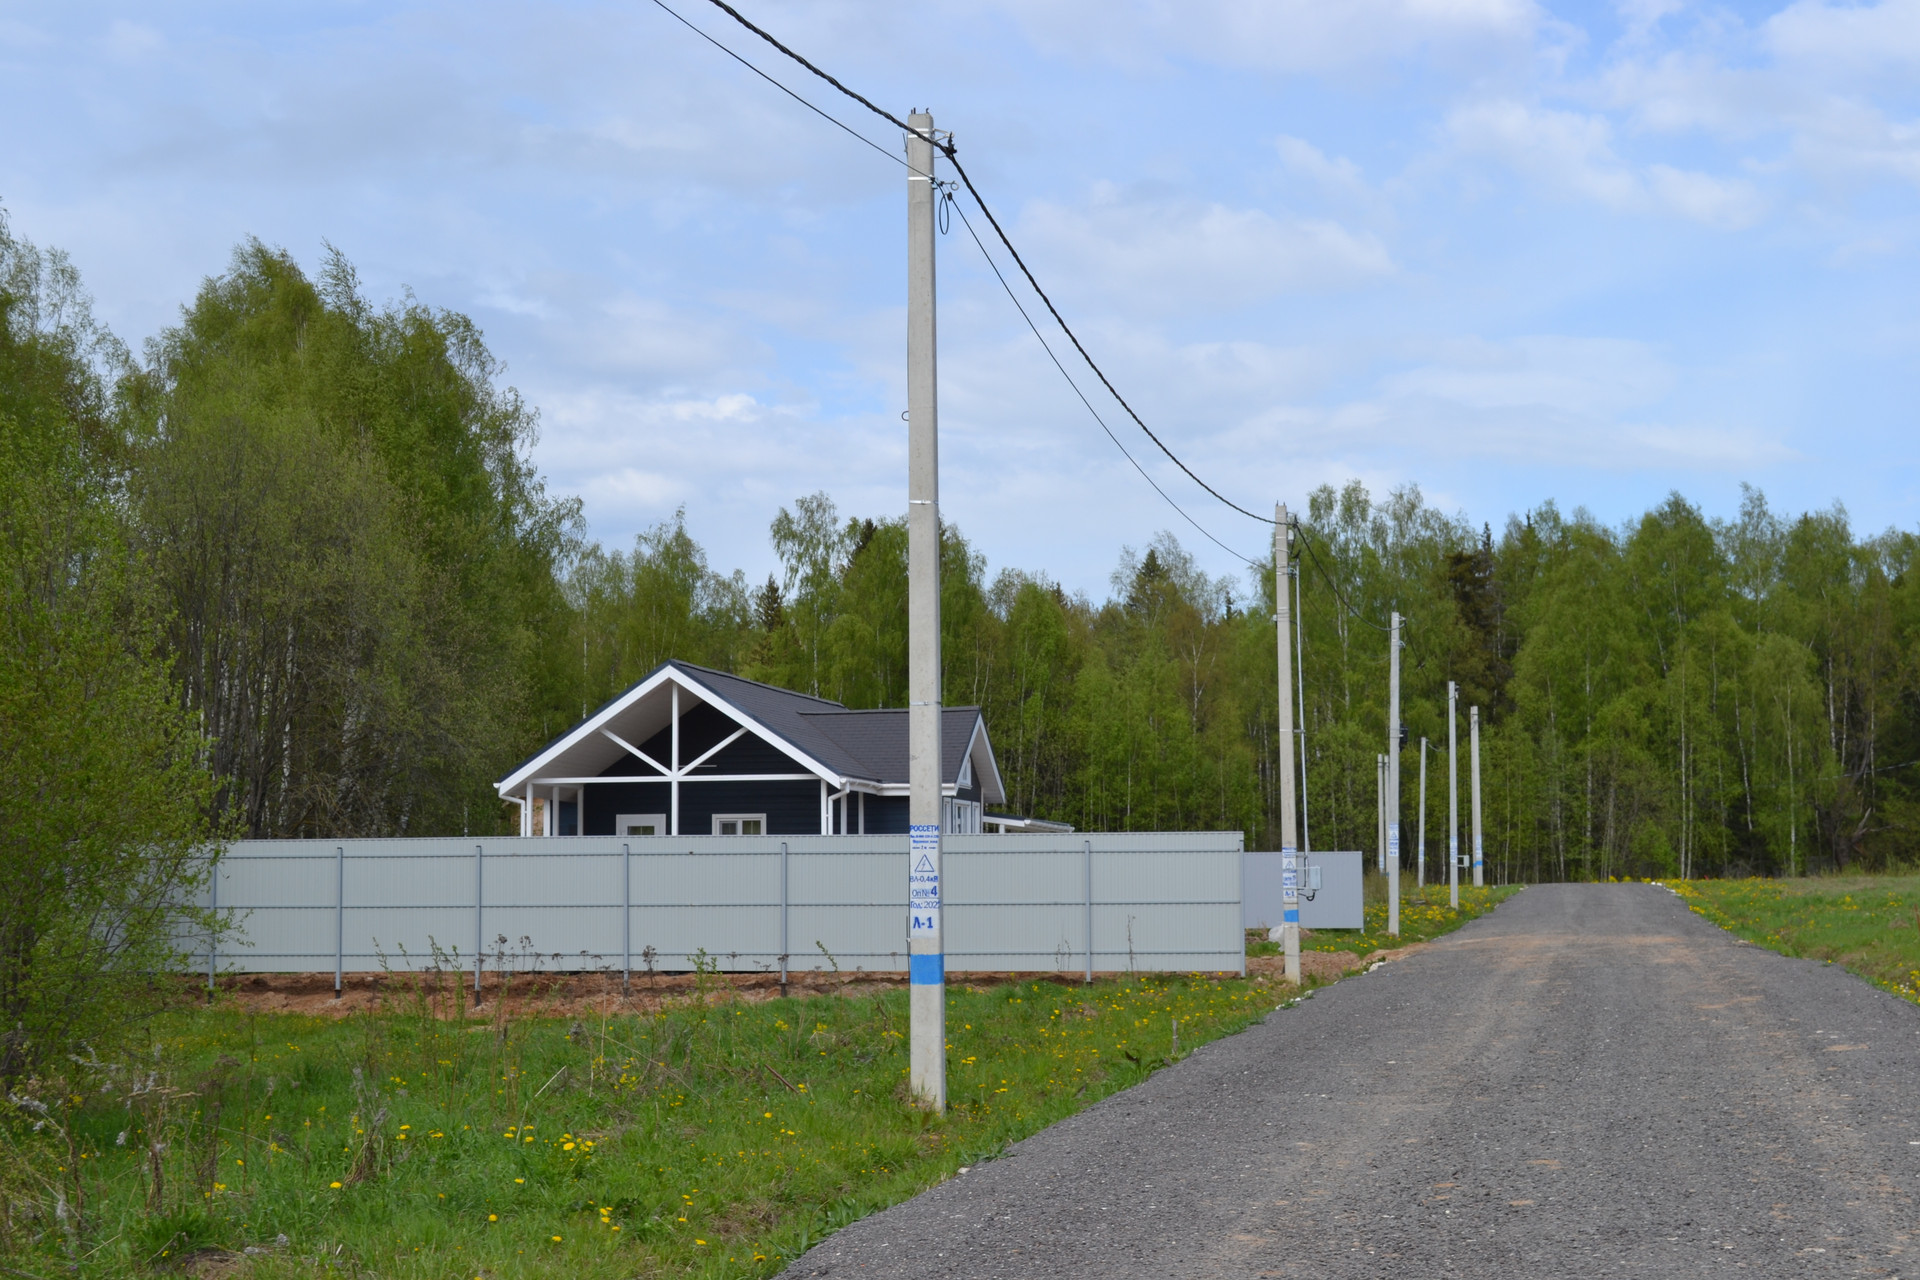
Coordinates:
[926,947]
[1380,813]
[1479,853]
[1289,852]
[1423,813]
[1453,794]
[1300,692]
[1393,778]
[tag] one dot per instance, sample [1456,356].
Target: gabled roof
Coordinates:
[821,736]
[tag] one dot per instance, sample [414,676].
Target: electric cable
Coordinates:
[836,123]
[947,149]
[968,223]
[946,204]
[1338,594]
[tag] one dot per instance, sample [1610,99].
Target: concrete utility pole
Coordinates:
[1289,852]
[1393,778]
[1479,853]
[1380,813]
[1300,692]
[1453,794]
[926,945]
[1423,813]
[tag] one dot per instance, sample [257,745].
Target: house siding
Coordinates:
[792,808]
[886,816]
[607,800]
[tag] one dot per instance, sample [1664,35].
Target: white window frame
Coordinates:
[742,819]
[622,821]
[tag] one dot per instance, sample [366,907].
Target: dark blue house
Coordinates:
[691,751]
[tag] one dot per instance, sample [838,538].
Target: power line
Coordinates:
[1338,594]
[882,112]
[947,149]
[1011,297]
[836,123]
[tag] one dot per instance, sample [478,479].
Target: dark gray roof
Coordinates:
[869,744]
[865,746]
[878,739]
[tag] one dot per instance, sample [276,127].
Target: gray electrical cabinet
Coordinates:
[1332,894]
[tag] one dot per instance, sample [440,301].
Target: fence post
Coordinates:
[213,929]
[339,917]
[626,919]
[479,885]
[1088,846]
[783,920]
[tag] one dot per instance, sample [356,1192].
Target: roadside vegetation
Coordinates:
[716,1138]
[1425,913]
[1869,924]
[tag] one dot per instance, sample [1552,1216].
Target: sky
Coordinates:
[1507,251]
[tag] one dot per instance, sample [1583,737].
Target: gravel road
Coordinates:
[1590,1081]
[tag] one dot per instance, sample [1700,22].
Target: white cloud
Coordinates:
[1677,92]
[1562,375]
[1849,139]
[1159,254]
[1307,160]
[1338,179]
[1849,40]
[1727,203]
[1562,149]
[1573,152]
[1642,17]
[1286,35]
[20,35]
[133,41]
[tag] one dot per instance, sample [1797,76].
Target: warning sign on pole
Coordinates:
[923,883]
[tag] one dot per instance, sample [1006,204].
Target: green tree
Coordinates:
[103,827]
[362,570]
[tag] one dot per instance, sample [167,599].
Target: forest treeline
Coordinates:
[340,600]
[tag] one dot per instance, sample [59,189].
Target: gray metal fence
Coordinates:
[1063,903]
[1332,890]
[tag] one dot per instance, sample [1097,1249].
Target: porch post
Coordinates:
[673,765]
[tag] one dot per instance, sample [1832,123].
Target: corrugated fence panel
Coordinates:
[1159,901]
[847,903]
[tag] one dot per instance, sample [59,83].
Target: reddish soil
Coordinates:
[561,995]
[1325,966]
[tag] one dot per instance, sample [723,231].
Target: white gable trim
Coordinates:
[981,739]
[593,726]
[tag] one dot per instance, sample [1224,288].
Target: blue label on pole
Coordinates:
[927,970]
[1290,916]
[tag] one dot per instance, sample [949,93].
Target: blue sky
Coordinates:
[1508,251]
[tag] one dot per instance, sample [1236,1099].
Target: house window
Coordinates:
[640,824]
[739,824]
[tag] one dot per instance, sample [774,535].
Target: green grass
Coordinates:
[1870,924]
[713,1139]
[1424,914]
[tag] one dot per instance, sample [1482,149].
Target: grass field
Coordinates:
[718,1138]
[715,1138]
[1869,924]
